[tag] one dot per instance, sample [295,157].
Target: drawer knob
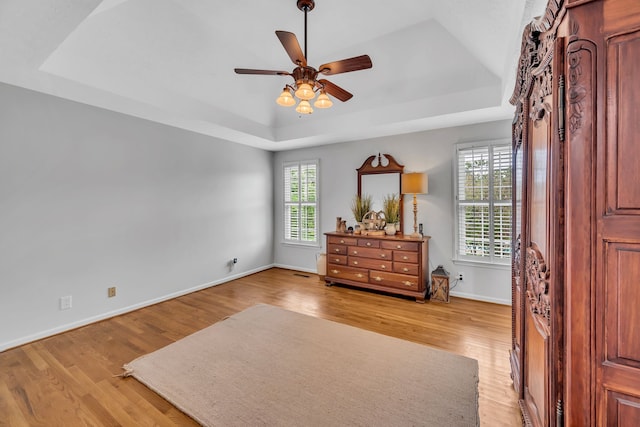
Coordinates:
[355,252]
[405,257]
[355,262]
[383,266]
[368,243]
[378,279]
[383,255]
[341,241]
[335,271]
[405,269]
[337,259]
[408,283]
[399,247]
[359,275]
[337,250]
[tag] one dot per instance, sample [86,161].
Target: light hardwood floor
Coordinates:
[70,379]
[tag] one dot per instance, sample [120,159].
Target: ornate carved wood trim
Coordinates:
[534,67]
[369,168]
[580,58]
[517,258]
[537,275]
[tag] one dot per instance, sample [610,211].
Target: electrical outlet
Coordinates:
[459,276]
[111,292]
[65,302]
[235,260]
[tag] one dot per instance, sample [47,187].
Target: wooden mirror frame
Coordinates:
[393,166]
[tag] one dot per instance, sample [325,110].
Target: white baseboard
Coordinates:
[480,298]
[455,294]
[69,326]
[296,268]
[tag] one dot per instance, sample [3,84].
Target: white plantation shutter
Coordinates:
[483,202]
[301,202]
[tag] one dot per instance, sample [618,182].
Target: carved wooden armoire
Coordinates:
[575,356]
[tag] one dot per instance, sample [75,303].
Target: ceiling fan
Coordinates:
[306,77]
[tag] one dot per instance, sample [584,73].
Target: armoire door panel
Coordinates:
[538,185]
[536,375]
[623,118]
[622,410]
[622,314]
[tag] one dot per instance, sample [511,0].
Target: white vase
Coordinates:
[390,229]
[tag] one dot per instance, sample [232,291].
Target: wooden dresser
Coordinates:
[396,264]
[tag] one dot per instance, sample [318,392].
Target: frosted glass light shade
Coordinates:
[304,107]
[305,92]
[286,99]
[323,101]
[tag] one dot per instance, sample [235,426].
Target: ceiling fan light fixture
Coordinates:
[304,107]
[323,101]
[305,77]
[286,99]
[305,92]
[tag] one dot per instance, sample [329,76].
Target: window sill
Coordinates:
[301,244]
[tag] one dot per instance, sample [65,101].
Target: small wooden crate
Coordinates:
[440,285]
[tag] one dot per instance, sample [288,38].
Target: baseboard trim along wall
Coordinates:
[480,298]
[454,294]
[74,325]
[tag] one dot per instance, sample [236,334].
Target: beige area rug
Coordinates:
[267,366]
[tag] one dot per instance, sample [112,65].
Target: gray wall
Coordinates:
[431,152]
[91,199]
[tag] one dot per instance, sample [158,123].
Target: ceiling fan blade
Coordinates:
[266,72]
[356,63]
[335,90]
[291,45]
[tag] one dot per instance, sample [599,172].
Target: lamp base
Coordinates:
[417,235]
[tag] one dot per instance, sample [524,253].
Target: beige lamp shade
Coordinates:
[415,183]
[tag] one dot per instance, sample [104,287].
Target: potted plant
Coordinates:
[360,206]
[391,209]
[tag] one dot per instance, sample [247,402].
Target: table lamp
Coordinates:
[415,183]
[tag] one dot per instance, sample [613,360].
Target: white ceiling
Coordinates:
[436,63]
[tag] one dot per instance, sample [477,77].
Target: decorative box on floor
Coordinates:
[440,284]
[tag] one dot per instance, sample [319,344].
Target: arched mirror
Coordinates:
[379,176]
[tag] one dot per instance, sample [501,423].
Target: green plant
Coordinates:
[360,206]
[391,208]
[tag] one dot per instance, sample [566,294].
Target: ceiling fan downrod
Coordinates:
[306,6]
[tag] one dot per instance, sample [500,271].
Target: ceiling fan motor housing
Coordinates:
[305,75]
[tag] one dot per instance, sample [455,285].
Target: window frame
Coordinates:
[491,260]
[298,241]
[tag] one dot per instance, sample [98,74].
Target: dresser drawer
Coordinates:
[402,256]
[370,252]
[370,263]
[336,250]
[339,240]
[394,280]
[337,259]
[404,268]
[369,243]
[348,273]
[399,245]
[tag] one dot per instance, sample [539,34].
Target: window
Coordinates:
[483,202]
[301,202]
